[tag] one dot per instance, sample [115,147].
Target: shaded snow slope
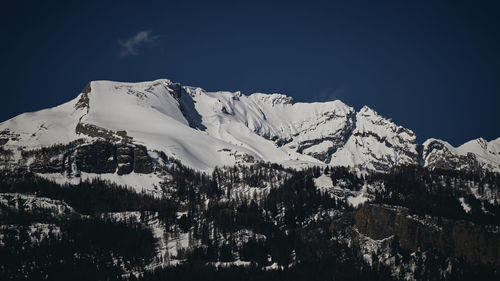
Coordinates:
[267,124]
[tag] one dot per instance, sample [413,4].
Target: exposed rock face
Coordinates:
[6,135]
[125,158]
[438,155]
[376,143]
[323,148]
[98,132]
[142,162]
[55,159]
[458,239]
[47,165]
[83,102]
[100,156]
[186,106]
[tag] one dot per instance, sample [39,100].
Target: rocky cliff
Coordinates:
[461,239]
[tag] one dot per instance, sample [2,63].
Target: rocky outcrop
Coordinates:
[98,132]
[476,244]
[125,158]
[6,136]
[98,157]
[142,162]
[57,158]
[101,156]
[83,102]
[48,165]
[133,158]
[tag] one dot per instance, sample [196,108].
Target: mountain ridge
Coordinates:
[208,129]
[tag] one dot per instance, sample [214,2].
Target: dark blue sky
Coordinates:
[433,67]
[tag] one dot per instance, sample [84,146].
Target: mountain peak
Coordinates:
[273,99]
[365,110]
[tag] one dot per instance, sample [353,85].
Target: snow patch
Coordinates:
[467,207]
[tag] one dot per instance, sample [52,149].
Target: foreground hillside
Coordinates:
[256,222]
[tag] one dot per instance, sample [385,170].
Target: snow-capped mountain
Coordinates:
[176,176]
[472,155]
[208,129]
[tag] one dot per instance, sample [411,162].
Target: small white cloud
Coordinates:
[328,95]
[130,47]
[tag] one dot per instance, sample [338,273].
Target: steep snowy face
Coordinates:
[315,129]
[472,155]
[377,144]
[274,122]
